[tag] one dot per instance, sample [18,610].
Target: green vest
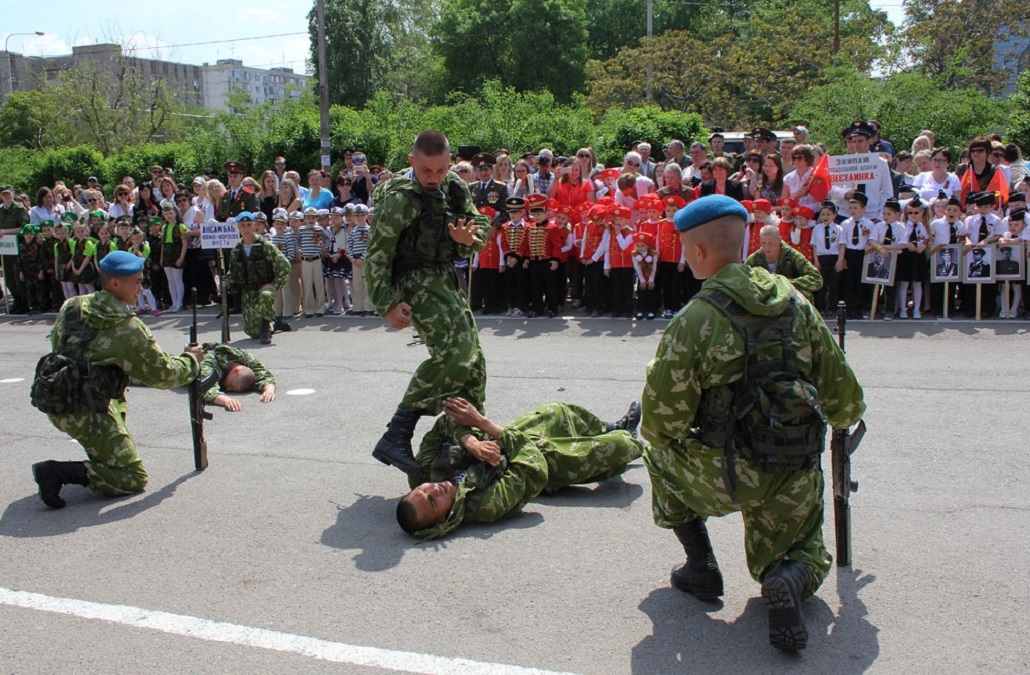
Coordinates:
[427,242]
[249,273]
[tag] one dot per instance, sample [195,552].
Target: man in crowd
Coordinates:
[13,216]
[486,191]
[544,174]
[675,154]
[858,136]
[109,345]
[710,454]
[481,472]
[778,258]
[409,270]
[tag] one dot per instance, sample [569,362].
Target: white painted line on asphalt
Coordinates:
[300,392]
[11,380]
[219,631]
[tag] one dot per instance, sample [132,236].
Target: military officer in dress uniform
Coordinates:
[486,191]
[235,200]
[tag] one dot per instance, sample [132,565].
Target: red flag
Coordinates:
[819,181]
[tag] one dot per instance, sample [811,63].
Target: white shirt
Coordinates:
[995,227]
[941,231]
[819,239]
[793,182]
[878,192]
[865,228]
[928,188]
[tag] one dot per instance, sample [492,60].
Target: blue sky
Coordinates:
[170,31]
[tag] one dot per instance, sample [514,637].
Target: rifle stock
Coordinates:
[842,447]
[198,414]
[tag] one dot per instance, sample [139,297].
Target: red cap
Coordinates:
[675,200]
[607,200]
[622,212]
[644,238]
[536,201]
[598,212]
[761,205]
[804,212]
[487,211]
[609,173]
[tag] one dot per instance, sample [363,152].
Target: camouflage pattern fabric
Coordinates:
[123,340]
[550,448]
[794,266]
[439,310]
[258,305]
[782,511]
[221,357]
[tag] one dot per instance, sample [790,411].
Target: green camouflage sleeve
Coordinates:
[840,394]
[525,478]
[132,347]
[215,360]
[481,221]
[673,383]
[393,213]
[263,376]
[808,279]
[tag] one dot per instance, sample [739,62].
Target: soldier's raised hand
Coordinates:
[463,232]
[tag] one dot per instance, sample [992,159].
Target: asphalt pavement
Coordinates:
[284,555]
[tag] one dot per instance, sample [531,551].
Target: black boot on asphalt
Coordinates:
[783,590]
[394,448]
[51,476]
[629,421]
[700,575]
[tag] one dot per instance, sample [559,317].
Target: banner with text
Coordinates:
[850,170]
[9,244]
[214,234]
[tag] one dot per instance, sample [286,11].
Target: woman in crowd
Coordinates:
[344,191]
[502,170]
[67,200]
[317,196]
[166,190]
[921,143]
[289,195]
[980,175]
[768,183]
[922,161]
[797,183]
[145,205]
[721,183]
[45,209]
[268,197]
[523,183]
[464,171]
[121,206]
[938,179]
[571,189]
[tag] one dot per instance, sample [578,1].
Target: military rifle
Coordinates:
[842,447]
[196,390]
[223,296]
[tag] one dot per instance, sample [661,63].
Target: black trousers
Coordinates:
[543,287]
[516,284]
[622,290]
[852,288]
[595,293]
[826,298]
[667,286]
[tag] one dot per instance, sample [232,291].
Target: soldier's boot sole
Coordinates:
[787,630]
[705,585]
[45,475]
[393,455]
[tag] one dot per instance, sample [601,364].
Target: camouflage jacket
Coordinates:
[125,341]
[265,265]
[218,360]
[794,266]
[410,231]
[701,350]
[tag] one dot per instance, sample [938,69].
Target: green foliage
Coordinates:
[18,166]
[905,104]
[72,165]
[29,119]
[1019,120]
[620,128]
[136,161]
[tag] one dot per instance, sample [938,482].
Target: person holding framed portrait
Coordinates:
[888,237]
[947,233]
[1011,264]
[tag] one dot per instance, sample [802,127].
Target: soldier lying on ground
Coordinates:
[480,472]
[238,371]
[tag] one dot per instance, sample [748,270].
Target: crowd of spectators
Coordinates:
[567,232]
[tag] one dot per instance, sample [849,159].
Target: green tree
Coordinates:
[32,119]
[615,24]
[532,45]
[1019,104]
[954,41]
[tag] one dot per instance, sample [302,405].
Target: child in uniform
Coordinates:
[856,230]
[138,246]
[83,250]
[828,250]
[336,266]
[947,230]
[645,263]
[357,247]
[912,261]
[63,261]
[30,270]
[592,253]
[618,263]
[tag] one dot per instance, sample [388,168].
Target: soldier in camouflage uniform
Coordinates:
[30,267]
[238,371]
[701,352]
[258,269]
[480,472]
[778,258]
[424,220]
[121,343]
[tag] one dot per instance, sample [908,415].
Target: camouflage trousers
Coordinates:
[258,311]
[114,468]
[456,365]
[782,511]
[576,445]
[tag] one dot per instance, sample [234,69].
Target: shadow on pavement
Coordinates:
[369,527]
[29,517]
[687,638]
[614,493]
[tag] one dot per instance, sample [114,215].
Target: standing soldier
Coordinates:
[103,344]
[486,191]
[714,451]
[424,219]
[257,270]
[13,217]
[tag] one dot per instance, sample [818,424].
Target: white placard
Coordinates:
[214,234]
[855,169]
[9,244]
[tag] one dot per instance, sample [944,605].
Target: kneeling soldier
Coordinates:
[257,269]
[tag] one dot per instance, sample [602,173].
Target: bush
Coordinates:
[620,128]
[71,165]
[18,166]
[1019,104]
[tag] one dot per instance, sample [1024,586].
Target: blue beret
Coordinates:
[121,264]
[707,209]
[244,215]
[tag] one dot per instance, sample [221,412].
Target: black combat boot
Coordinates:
[629,421]
[51,475]
[280,326]
[783,590]
[395,445]
[700,575]
[266,334]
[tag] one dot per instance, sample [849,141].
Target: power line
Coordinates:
[218,42]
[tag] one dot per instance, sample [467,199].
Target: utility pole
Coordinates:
[10,61]
[650,34]
[836,26]
[323,88]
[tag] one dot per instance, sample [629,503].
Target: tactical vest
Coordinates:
[427,242]
[249,273]
[771,415]
[65,383]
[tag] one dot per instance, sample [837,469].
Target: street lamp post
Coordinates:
[10,64]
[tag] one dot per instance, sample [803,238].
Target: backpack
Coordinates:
[771,415]
[65,383]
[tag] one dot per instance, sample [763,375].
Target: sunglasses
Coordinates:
[91,201]
[280,163]
[348,183]
[997,154]
[463,170]
[753,160]
[633,163]
[585,155]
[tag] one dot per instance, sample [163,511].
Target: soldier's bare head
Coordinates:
[239,379]
[770,239]
[430,159]
[426,505]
